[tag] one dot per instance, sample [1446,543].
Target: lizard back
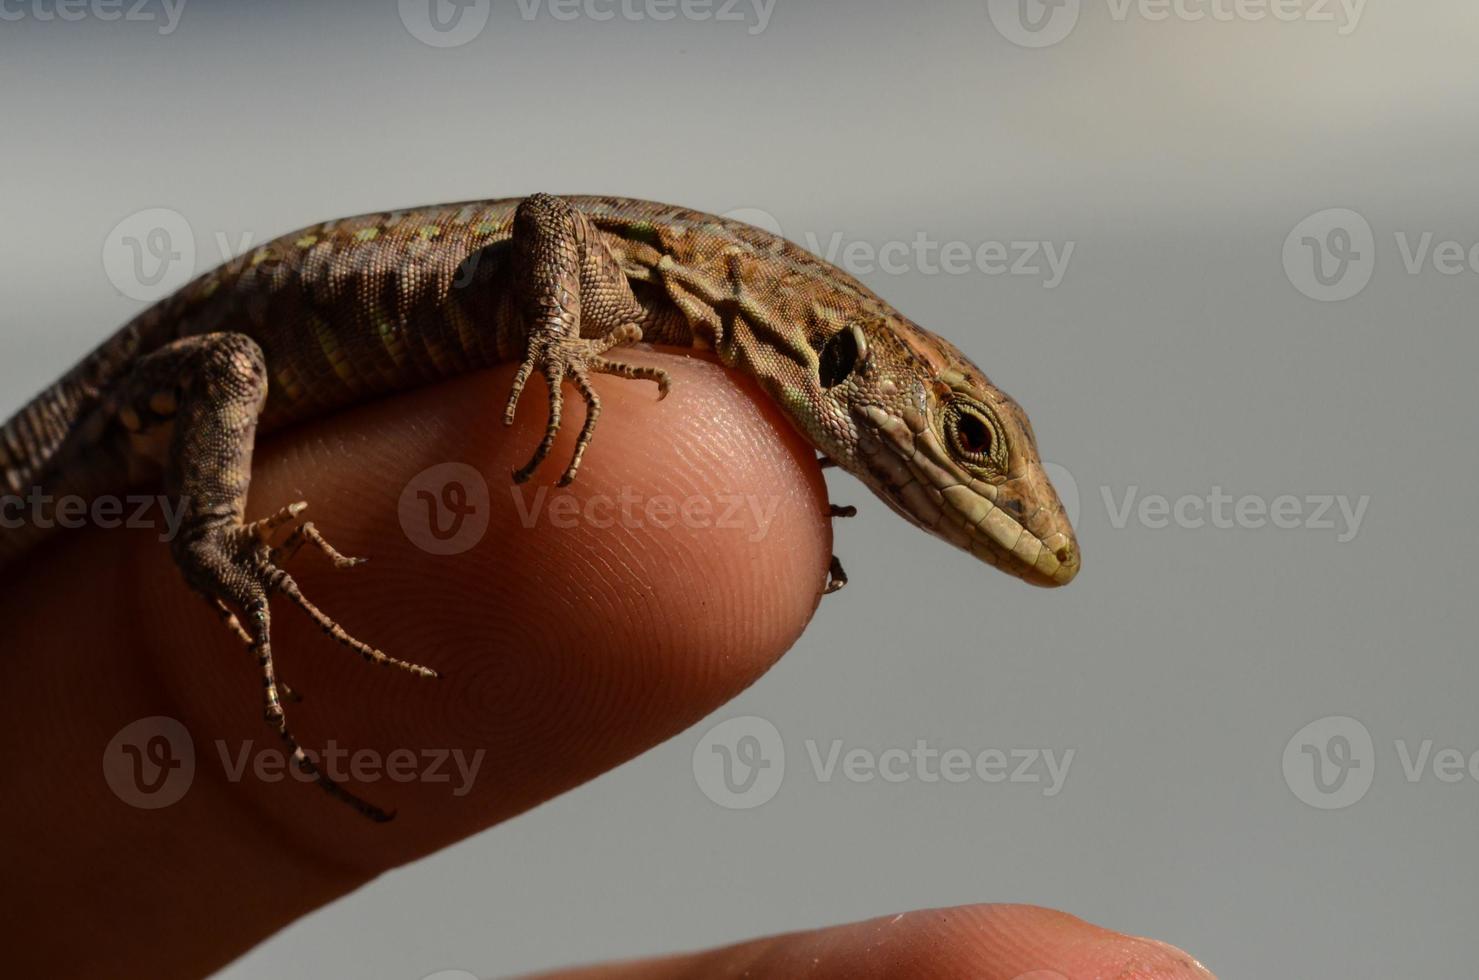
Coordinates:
[354,308]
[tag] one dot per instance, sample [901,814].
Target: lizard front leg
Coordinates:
[569,285]
[211,389]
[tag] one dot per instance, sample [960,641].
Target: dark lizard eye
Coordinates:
[840,356]
[974,436]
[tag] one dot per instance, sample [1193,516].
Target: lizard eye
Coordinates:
[840,356]
[974,436]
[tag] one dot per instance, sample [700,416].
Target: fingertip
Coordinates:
[973,942]
[569,637]
[583,624]
[1027,942]
[1001,942]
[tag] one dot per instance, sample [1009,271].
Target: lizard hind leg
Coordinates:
[212,388]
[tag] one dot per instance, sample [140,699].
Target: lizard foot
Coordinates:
[836,577]
[237,569]
[256,541]
[558,358]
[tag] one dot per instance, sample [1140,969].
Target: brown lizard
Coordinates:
[347,310]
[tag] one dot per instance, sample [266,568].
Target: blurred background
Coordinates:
[1226,259]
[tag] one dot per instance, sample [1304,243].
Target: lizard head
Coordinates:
[944,447]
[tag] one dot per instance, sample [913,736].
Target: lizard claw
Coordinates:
[575,360]
[238,567]
[521,377]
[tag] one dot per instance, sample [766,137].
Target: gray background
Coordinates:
[1175,357]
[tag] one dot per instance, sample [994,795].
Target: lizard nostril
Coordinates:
[1064,555]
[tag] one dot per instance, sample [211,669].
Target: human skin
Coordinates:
[564,651]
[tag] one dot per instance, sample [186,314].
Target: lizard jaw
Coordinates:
[911,471]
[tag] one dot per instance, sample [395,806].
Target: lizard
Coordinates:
[352,309]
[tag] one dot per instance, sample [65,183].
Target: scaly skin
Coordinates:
[348,310]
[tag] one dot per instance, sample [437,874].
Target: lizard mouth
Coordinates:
[1017,526]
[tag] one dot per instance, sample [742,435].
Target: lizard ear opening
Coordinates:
[840,356]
